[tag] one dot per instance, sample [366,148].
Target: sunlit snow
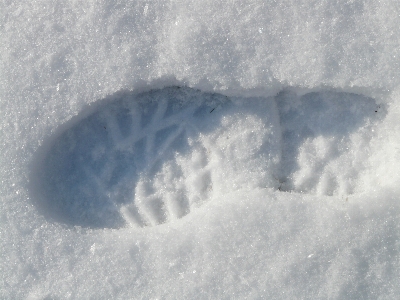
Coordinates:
[200,149]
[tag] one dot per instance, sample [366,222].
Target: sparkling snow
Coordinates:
[200,149]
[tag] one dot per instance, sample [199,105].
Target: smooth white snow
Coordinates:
[287,190]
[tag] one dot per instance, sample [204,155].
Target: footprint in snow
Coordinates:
[143,160]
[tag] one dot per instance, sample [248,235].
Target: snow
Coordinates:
[199,149]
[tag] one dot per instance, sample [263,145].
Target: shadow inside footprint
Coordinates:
[146,159]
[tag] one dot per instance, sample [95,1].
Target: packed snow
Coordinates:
[200,149]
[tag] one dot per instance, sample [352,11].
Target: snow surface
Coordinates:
[200,149]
